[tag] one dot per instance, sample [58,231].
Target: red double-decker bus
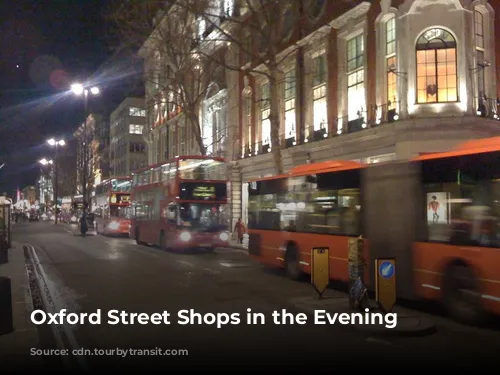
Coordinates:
[181,204]
[111,206]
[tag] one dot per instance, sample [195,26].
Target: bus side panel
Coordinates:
[269,247]
[431,260]
[265,247]
[392,208]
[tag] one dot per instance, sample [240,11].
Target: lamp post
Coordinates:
[45,162]
[79,89]
[56,143]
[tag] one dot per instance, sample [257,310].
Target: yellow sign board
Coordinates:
[320,268]
[204,192]
[385,283]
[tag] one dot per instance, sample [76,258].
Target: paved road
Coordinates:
[114,273]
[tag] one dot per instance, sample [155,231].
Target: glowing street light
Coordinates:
[45,161]
[77,88]
[53,142]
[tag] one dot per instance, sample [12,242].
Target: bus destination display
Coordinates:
[120,198]
[203,191]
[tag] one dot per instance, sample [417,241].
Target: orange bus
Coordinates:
[111,206]
[437,215]
[181,204]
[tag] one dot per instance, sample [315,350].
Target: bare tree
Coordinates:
[178,76]
[257,30]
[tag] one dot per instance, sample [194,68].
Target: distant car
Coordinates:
[34,217]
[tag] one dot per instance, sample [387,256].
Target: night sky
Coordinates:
[45,46]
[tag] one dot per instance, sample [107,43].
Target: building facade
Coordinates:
[128,147]
[92,153]
[366,81]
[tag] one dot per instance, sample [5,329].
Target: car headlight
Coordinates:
[224,236]
[185,236]
[114,225]
[73,218]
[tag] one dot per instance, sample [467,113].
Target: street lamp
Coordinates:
[80,89]
[45,162]
[55,143]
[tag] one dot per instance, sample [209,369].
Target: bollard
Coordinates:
[4,252]
[6,317]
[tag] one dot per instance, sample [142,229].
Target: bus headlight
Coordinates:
[185,236]
[114,225]
[224,236]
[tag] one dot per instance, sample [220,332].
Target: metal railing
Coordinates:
[374,116]
[488,107]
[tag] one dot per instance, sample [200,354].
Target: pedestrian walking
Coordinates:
[239,230]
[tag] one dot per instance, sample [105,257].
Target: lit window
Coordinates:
[391,60]
[479,33]
[436,67]
[134,111]
[201,27]
[479,29]
[319,93]
[355,78]
[390,36]
[266,110]
[136,129]
[207,131]
[228,7]
[391,83]
[290,82]
[355,53]
[248,110]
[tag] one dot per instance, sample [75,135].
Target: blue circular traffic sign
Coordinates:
[386,270]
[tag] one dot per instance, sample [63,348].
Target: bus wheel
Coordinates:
[292,266]
[163,244]
[462,298]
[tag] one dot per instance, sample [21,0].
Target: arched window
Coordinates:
[436,67]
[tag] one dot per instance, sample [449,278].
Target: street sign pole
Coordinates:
[385,282]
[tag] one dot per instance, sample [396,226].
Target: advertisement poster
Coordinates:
[437,208]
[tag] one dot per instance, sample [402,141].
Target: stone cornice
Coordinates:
[354,13]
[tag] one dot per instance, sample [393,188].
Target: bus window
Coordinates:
[172,213]
[461,199]
[199,169]
[164,172]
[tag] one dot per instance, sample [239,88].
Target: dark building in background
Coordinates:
[128,147]
[100,148]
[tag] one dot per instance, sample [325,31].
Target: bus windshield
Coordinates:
[119,212]
[202,170]
[203,216]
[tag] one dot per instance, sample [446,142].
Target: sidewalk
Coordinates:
[15,347]
[409,323]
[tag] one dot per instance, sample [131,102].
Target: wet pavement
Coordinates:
[84,275]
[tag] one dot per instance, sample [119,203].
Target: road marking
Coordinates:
[234,265]
[49,302]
